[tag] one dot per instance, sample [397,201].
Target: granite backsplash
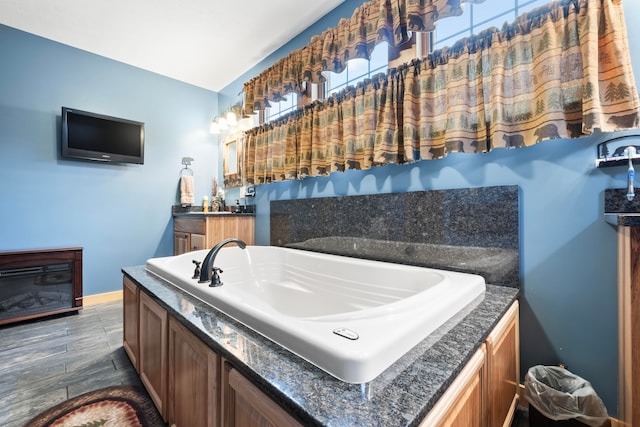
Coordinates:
[473,230]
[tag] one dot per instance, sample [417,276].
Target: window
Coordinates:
[279,109]
[359,69]
[477,17]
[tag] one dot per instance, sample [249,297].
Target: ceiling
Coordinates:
[206,43]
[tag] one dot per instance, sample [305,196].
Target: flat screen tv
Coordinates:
[103,138]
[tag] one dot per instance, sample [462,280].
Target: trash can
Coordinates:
[558,397]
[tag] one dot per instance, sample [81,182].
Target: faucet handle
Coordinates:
[215,280]
[196,272]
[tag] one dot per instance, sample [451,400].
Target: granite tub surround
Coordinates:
[496,265]
[472,230]
[401,396]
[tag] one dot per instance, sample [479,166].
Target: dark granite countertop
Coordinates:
[401,396]
[620,211]
[196,211]
[205,214]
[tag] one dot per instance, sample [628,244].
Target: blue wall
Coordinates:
[120,214]
[568,253]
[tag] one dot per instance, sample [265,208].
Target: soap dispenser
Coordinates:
[237,208]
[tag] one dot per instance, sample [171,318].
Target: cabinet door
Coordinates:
[503,366]
[245,229]
[198,242]
[462,404]
[153,350]
[192,398]
[181,242]
[244,405]
[130,296]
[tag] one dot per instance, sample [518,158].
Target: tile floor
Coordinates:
[48,361]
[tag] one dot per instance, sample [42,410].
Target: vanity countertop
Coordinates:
[618,210]
[206,214]
[401,396]
[196,211]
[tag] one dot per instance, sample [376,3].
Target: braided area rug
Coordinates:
[118,406]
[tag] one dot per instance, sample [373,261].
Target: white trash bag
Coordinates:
[560,395]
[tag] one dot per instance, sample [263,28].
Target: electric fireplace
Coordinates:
[39,283]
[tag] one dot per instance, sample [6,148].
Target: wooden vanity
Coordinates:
[195,231]
[201,368]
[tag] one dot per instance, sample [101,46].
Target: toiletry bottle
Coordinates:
[237,208]
[205,204]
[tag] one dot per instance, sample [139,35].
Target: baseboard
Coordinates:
[525,404]
[100,298]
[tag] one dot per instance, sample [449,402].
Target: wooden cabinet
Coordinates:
[130,297]
[462,404]
[178,370]
[192,398]
[187,242]
[152,358]
[244,405]
[503,369]
[485,393]
[191,234]
[629,325]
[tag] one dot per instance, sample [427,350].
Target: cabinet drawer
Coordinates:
[189,225]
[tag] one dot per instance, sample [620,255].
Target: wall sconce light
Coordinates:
[231,120]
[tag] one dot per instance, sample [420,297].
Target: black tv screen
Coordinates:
[103,138]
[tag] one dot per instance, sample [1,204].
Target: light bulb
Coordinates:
[214,128]
[222,123]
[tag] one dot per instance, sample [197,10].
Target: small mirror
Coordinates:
[231,161]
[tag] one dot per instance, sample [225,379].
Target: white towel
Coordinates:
[186,190]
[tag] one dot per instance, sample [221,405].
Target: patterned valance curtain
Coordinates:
[560,71]
[371,23]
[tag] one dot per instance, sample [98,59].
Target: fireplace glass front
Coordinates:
[25,291]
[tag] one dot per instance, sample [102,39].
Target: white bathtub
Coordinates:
[350,317]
